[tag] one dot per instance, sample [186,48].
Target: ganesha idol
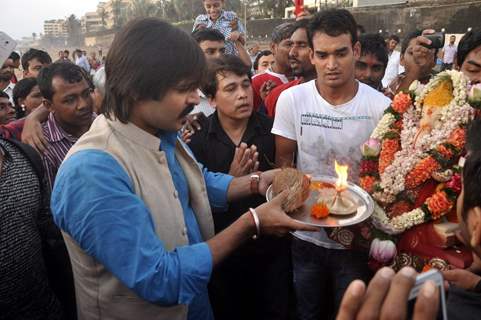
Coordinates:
[411,167]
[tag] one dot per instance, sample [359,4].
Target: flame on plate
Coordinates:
[342,173]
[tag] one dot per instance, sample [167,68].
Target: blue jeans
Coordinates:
[321,276]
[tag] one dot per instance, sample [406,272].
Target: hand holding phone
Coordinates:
[387,296]
[435,277]
[437,40]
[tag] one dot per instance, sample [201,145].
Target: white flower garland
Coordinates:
[392,180]
[383,126]
[398,224]
[456,113]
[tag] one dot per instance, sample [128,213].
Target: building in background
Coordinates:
[55,28]
[91,22]
[370,3]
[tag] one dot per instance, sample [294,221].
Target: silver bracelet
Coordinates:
[257,222]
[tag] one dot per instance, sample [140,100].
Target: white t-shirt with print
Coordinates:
[325,133]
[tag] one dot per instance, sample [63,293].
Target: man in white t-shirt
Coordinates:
[449,53]
[394,66]
[323,120]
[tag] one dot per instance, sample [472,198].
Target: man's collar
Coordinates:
[253,126]
[56,132]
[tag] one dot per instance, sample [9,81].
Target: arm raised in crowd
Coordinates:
[32,133]
[422,57]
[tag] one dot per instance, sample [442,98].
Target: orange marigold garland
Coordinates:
[458,138]
[421,172]
[445,152]
[401,102]
[367,183]
[389,148]
[439,204]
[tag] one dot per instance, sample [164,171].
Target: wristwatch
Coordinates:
[255,178]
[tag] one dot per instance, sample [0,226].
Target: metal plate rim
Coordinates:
[367,199]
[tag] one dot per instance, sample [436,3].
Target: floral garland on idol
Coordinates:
[420,137]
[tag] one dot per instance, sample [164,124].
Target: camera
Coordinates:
[437,40]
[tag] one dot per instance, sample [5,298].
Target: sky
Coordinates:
[19,18]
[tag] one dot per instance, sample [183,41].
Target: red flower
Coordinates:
[368,167]
[455,183]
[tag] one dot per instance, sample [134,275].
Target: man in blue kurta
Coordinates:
[134,205]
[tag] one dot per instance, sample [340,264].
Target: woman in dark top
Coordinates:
[24,289]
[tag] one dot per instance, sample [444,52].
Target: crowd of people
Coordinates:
[138,187]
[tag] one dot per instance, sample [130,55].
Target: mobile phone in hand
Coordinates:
[436,277]
[437,40]
[7,44]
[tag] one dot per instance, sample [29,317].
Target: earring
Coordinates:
[22,106]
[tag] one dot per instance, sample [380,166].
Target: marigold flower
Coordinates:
[439,204]
[421,172]
[319,210]
[401,102]
[445,152]
[386,157]
[458,138]
[367,183]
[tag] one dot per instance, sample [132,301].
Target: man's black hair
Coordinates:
[374,44]
[333,22]
[472,168]
[14,56]
[407,40]
[208,34]
[361,29]
[473,141]
[470,41]
[4,95]
[66,51]
[471,183]
[263,53]
[176,62]
[21,90]
[41,56]
[282,32]
[69,72]
[227,63]
[394,37]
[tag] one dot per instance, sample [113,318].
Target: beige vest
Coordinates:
[100,295]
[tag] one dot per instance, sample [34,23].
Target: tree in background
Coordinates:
[74,30]
[103,16]
[119,14]
[144,8]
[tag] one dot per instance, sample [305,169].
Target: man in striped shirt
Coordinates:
[67,95]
